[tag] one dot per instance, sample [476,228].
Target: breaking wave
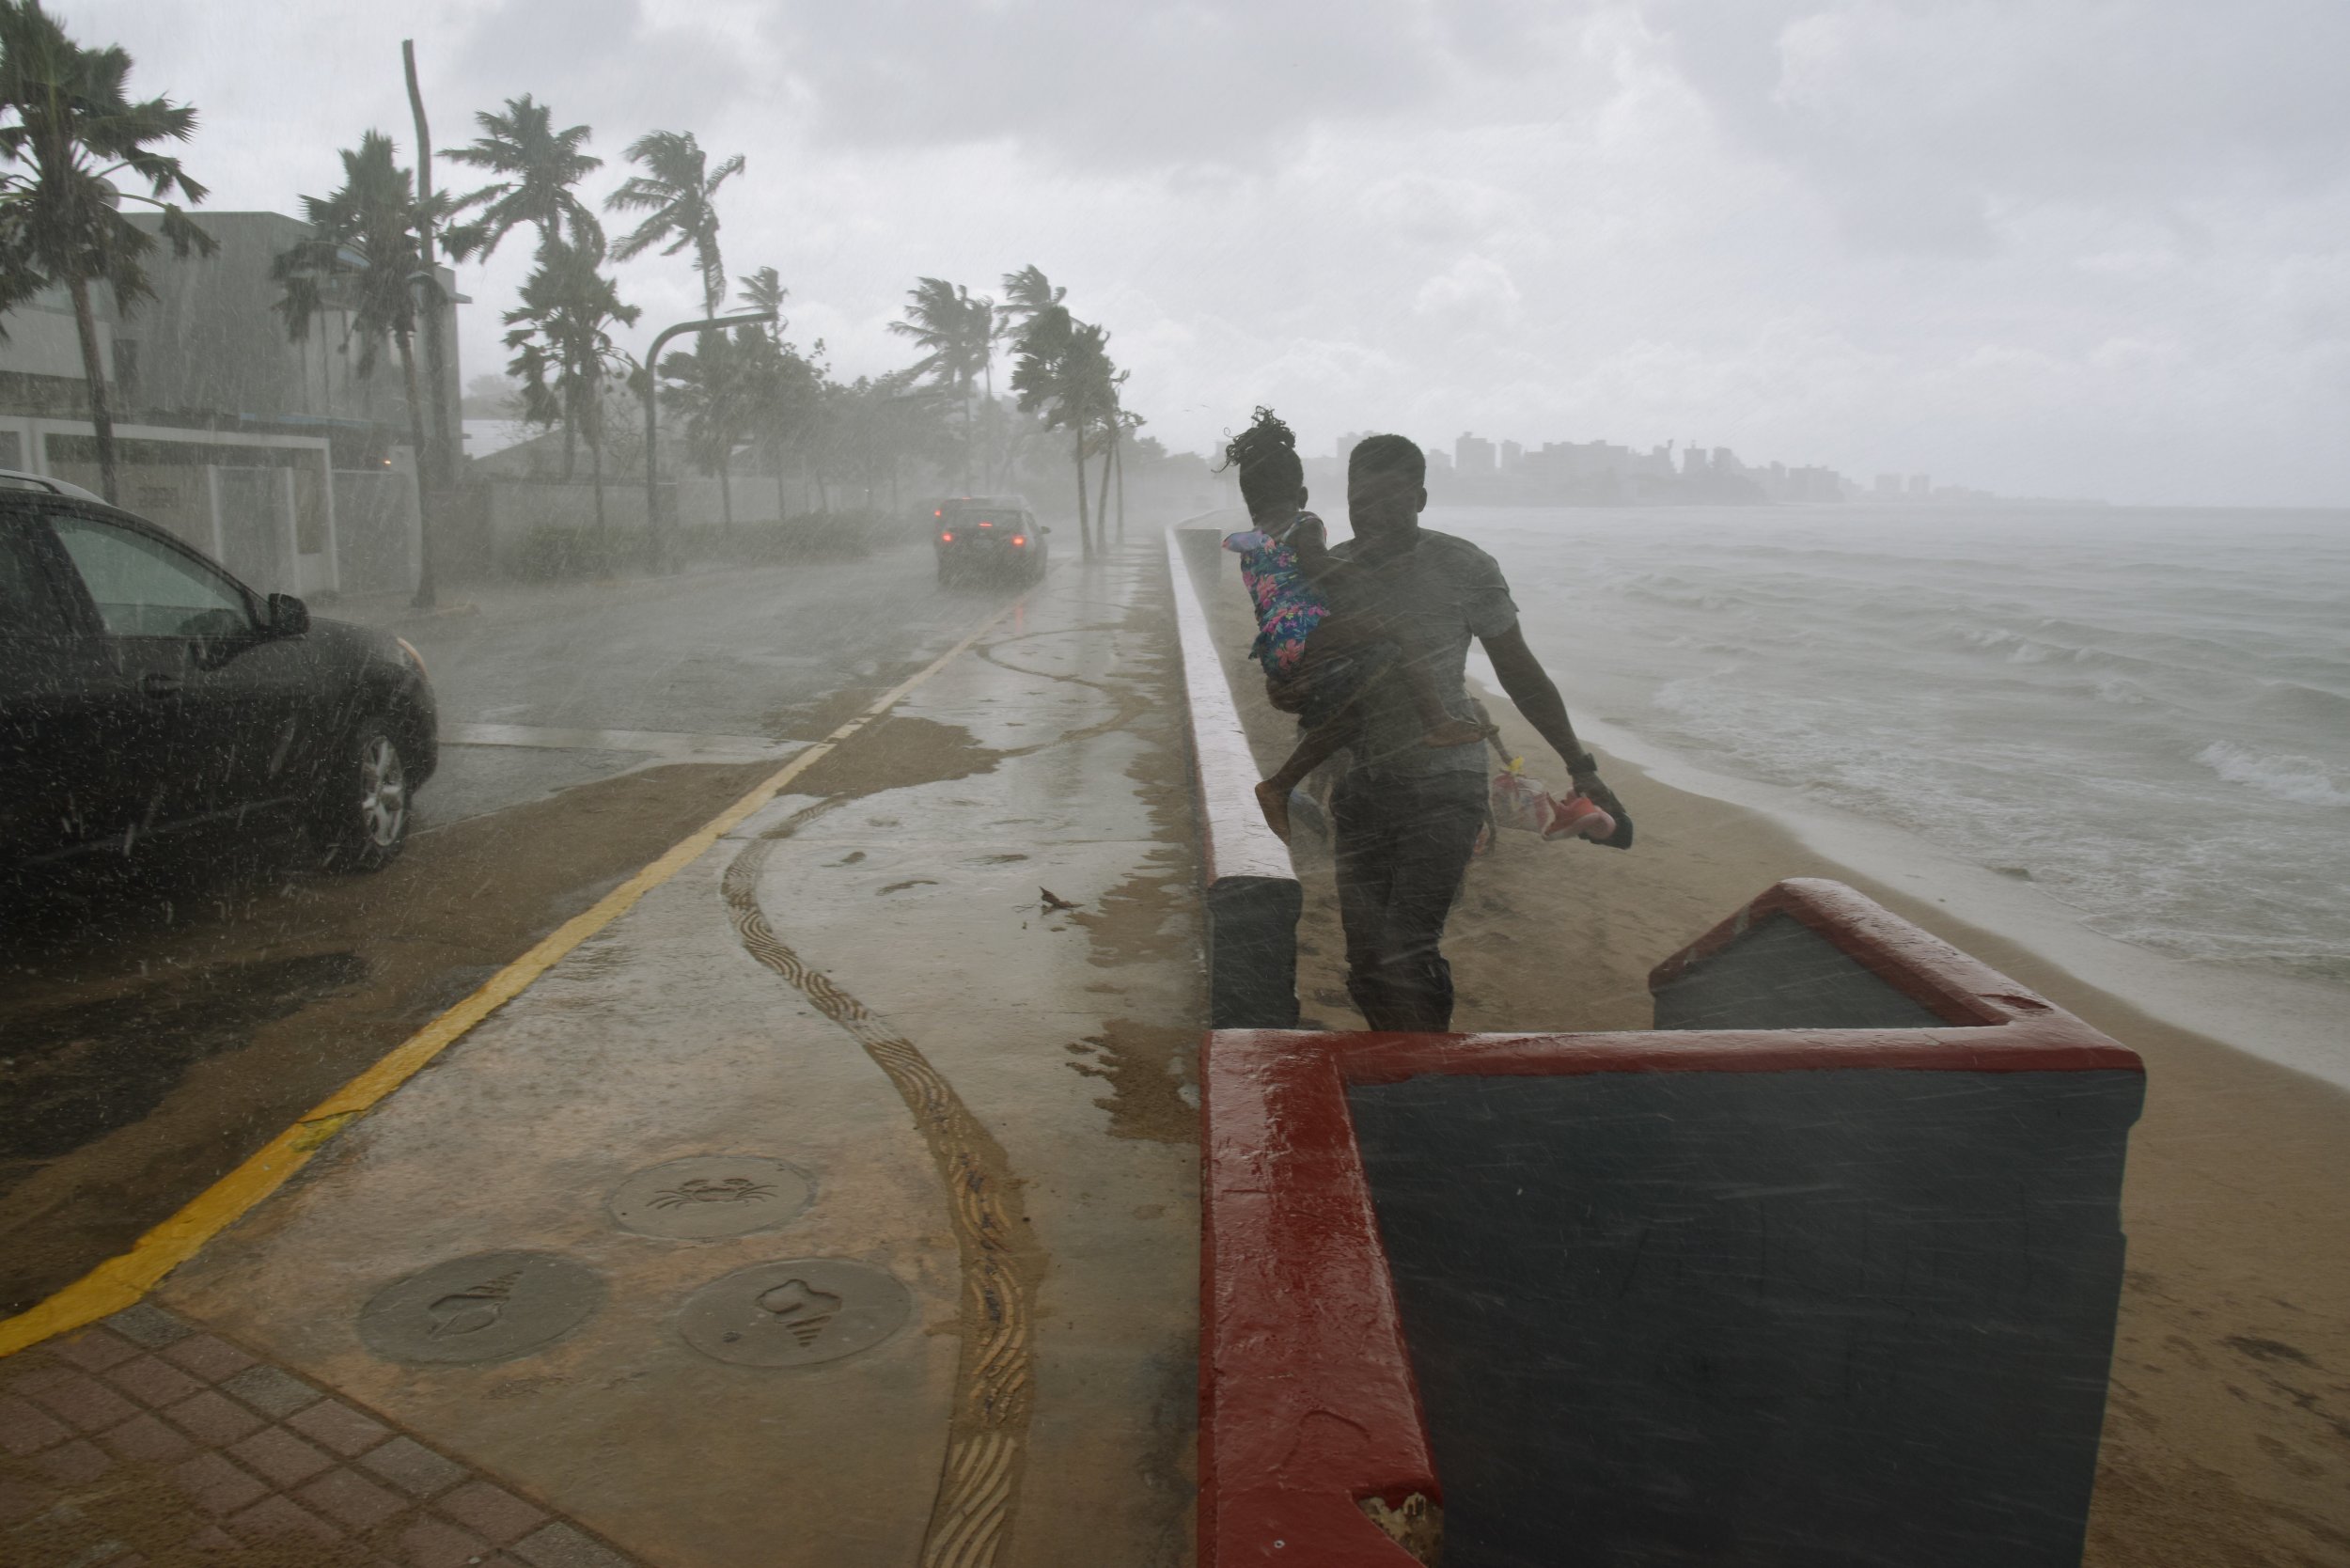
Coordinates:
[2303,780]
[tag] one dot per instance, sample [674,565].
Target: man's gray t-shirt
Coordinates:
[1445,590]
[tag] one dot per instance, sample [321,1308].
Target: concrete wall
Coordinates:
[264,506]
[517,507]
[1251,888]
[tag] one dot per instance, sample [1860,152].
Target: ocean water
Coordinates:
[2146,713]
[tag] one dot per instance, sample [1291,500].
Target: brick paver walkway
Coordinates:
[147,1440]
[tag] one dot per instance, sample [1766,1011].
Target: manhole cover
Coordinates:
[485,1307]
[710,1195]
[795,1314]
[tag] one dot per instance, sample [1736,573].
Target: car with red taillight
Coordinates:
[996,536]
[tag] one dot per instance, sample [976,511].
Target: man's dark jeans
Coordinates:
[1403,843]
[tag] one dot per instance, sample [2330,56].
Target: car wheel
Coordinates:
[363,814]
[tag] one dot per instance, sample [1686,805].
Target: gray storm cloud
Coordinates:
[2044,249]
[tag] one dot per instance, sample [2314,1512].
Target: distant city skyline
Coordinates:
[1587,470]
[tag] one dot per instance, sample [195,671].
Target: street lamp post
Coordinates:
[661,554]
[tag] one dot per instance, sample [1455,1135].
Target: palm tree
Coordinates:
[560,329]
[707,387]
[62,223]
[363,248]
[1028,293]
[1063,370]
[763,291]
[538,167]
[876,424]
[679,192]
[1050,373]
[957,335]
[780,390]
[1093,382]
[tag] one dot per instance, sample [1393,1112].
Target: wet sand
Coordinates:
[2227,1436]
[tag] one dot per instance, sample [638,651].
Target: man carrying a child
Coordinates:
[1407,814]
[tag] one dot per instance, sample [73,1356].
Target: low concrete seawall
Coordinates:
[1839,1289]
[1252,893]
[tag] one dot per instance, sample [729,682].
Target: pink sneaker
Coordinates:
[1577,818]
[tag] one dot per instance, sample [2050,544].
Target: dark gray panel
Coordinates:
[1804,1320]
[1252,953]
[1780,973]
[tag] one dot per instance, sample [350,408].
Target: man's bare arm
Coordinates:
[1529,687]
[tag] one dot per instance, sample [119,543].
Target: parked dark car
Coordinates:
[145,696]
[991,536]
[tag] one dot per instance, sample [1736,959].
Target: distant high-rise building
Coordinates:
[1512,455]
[1889,487]
[1472,454]
[1814,484]
[1921,487]
[1346,446]
[1693,460]
[1439,461]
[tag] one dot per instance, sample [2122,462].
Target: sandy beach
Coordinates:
[2227,1439]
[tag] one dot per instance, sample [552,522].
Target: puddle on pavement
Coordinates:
[1146,1067]
[894,754]
[74,1074]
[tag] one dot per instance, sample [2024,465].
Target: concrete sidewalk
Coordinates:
[836,1206]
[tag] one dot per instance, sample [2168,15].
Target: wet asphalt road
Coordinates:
[158,1025]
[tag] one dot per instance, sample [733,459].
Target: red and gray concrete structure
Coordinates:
[1821,1291]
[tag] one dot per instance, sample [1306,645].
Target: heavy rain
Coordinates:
[974,785]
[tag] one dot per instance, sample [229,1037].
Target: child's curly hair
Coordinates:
[1266,455]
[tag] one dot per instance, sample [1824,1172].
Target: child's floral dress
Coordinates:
[1287,607]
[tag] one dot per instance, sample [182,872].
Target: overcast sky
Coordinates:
[2043,248]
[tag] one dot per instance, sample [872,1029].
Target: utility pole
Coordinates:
[434,471]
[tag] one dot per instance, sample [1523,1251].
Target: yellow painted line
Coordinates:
[121,1280]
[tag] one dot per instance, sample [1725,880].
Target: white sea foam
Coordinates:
[2302,780]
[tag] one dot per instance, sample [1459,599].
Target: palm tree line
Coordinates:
[68,130]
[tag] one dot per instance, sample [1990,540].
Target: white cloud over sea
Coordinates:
[2058,249]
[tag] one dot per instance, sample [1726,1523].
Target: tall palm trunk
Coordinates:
[426,596]
[102,416]
[595,469]
[783,499]
[988,466]
[1085,531]
[1118,455]
[970,436]
[726,493]
[1102,504]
